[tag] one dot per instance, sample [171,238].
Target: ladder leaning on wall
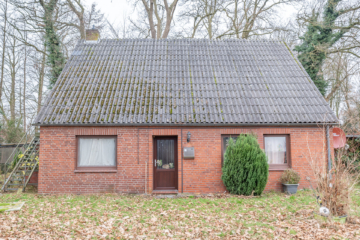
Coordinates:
[17,174]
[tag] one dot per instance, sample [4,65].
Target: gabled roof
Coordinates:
[183,81]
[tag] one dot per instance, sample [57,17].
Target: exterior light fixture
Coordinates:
[188,136]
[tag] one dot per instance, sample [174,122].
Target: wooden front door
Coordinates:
[165,163]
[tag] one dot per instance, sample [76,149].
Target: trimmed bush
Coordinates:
[245,169]
[289,176]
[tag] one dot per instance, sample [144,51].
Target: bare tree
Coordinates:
[346,26]
[86,18]
[248,18]
[94,17]
[336,42]
[41,80]
[14,61]
[233,18]
[211,23]
[121,30]
[205,17]
[40,18]
[5,20]
[159,15]
[24,82]
[77,7]
[342,72]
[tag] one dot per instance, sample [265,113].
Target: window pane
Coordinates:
[275,148]
[226,142]
[165,154]
[96,152]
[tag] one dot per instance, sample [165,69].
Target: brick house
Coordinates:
[148,116]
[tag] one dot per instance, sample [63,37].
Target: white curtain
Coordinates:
[96,152]
[275,148]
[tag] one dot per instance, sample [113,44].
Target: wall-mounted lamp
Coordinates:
[188,136]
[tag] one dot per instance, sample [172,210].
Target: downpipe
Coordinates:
[328,148]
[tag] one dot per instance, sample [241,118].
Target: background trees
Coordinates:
[38,36]
[325,27]
[36,39]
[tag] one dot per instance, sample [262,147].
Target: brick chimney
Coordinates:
[92,34]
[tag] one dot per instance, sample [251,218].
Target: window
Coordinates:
[277,149]
[96,152]
[165,153]
[224,144]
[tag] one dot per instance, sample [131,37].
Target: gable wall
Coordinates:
[201,175]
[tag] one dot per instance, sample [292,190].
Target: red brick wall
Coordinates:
[201,175]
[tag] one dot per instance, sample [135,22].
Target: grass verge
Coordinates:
[109,216]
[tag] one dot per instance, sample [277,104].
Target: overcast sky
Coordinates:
[115,9]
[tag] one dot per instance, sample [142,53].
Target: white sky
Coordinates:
[113,9]
[116,10]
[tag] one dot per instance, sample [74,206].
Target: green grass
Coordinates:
[125,216]
[356,202]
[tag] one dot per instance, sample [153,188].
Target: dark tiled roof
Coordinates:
[144,81]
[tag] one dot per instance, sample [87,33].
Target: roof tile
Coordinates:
[182,81]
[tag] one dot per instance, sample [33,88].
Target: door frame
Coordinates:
[175,138]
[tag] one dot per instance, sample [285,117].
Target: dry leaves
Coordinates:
[112,216]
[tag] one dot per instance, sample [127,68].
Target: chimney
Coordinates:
[92,34]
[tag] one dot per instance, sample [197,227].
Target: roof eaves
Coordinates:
[182,125]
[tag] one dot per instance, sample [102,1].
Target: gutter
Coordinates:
[183,125]
[182,164]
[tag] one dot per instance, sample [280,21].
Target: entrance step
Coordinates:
[165,192]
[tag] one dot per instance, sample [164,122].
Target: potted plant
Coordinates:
[290,181]
[159,163]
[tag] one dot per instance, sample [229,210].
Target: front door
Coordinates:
[165,163]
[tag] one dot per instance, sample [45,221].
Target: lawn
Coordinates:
[109,216]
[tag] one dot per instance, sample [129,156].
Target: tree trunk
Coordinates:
[151,19]
[158,21]
[80,15]
[24,92]
[82,28]
[55,58]
[169,16]
[12,67]
[3,51]
[12,91]
[41,80]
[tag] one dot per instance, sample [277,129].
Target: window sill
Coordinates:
[278,168]
[96,171]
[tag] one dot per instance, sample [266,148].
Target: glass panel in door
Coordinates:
[165,154]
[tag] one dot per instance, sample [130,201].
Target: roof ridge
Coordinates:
[106,40]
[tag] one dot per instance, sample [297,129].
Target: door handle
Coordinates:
[155,162]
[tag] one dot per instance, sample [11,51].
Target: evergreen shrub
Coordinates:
[245,169]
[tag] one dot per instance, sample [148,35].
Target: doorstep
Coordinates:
[165,192]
